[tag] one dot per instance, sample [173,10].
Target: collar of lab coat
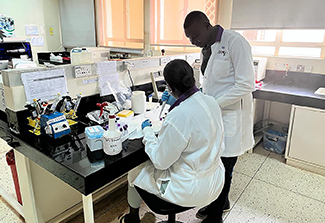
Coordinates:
[219,33]
[184,96]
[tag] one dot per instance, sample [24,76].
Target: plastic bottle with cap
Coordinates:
[112,141]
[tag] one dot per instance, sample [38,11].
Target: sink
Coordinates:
[320,91]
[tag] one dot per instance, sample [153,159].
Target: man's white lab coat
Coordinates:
[185,166]
[229,78]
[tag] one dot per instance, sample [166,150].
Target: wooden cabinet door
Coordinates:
[308,135]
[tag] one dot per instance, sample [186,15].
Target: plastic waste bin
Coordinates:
[10,157]
[275,141]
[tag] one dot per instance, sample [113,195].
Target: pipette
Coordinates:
[163,104]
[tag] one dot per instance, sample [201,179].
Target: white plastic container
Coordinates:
[138,101]
[112,138]
[94,136]
[94,141]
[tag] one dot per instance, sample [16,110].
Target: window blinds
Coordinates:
[278,14]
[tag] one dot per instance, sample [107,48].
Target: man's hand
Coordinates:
[146,123]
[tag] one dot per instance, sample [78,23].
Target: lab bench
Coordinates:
[305,143]
[54,173]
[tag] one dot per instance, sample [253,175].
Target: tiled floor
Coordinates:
[264,190]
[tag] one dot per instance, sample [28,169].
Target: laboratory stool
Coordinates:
[160,206]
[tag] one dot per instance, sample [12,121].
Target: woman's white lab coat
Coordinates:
[229,78]
[185,166]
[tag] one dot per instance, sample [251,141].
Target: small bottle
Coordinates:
[112,138]
[150,102]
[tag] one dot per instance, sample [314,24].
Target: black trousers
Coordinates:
[215,209]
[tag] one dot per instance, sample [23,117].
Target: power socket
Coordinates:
[308,68]
[82,70]
[300,68]
[164,60]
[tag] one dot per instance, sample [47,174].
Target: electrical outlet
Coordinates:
[300,68]
[293,68]
[132,65]
[164,60]
[82,70]
[308,68]
[281,66]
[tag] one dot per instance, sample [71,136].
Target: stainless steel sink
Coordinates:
[320,91]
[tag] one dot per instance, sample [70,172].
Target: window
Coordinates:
[288,43]
[167,17]
[120,23]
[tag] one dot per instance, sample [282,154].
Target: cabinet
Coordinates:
[306,139]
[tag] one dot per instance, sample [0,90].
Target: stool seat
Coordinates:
[161,206]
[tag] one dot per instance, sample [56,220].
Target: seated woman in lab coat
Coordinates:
[184,166]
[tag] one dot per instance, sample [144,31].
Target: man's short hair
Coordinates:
[195,16]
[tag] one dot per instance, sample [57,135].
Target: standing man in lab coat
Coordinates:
[227,66]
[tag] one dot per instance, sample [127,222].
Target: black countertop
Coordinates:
[66,158]
[296,88]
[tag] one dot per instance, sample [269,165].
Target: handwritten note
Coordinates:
[45,84]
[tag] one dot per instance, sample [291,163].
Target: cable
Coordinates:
[130,78]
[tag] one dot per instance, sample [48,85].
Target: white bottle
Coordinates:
[112,141]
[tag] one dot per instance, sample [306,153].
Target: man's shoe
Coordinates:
[226,207]
[202,213]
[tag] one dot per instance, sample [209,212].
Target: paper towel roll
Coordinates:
[138,101]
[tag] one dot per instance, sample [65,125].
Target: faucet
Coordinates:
[151,53]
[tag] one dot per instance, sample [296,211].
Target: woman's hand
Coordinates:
[168,98]
[146,123]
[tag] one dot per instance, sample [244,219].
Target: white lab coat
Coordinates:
[185,166]
[229,78]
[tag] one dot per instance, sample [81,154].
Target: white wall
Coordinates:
[42,13]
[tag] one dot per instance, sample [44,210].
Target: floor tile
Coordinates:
[238,185]
[265,203]
[249,163]
[112,214]
[8,214]
[109,201]
[4,147]
[276,172]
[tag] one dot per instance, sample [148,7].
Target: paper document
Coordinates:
[44,85]
[108,78]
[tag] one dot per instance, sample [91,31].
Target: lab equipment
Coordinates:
[138,101]
[164,102]
[154,85]
[125,113]
[101,105]
[94,142]
[259,67]
[80,56]
[150,102]
[54,125]
[112,141]
[94,117]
